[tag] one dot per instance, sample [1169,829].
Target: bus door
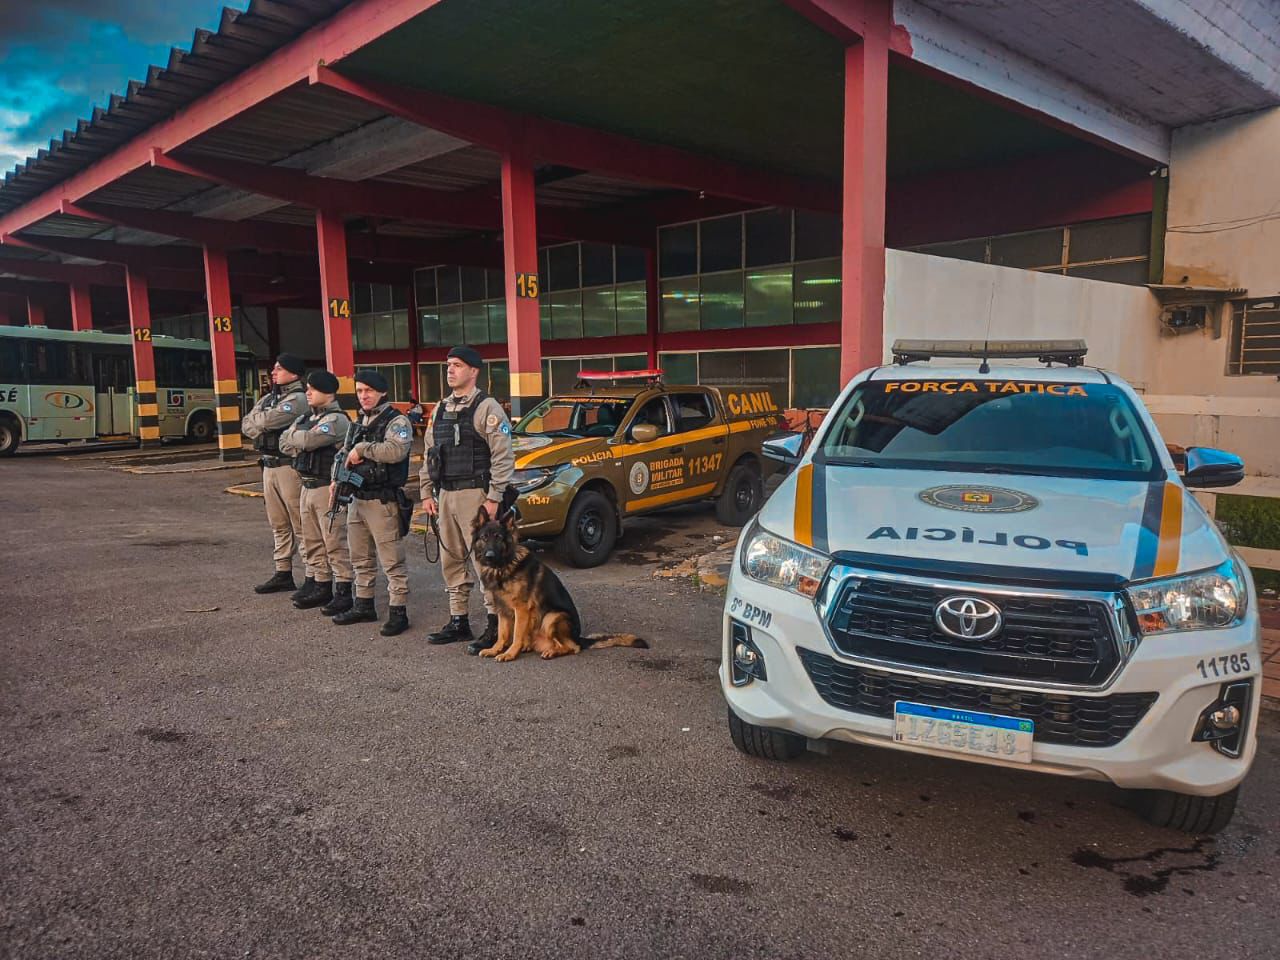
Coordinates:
[113,385]
[247,374]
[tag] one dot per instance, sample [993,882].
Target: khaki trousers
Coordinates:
[457,509]
[373,534]
[282,489]
[324,550]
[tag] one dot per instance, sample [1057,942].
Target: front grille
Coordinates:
[1053,639]
[1059,718]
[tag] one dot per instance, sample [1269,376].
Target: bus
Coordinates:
[59,386]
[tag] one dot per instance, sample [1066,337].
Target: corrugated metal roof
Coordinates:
[242,39]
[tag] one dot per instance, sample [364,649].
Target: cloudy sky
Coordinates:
[60,57]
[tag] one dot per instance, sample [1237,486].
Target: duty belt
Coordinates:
[314,484]
[465,483]
[269,460]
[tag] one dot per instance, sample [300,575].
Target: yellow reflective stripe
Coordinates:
[526,384]
[347,384]
[148,409]
[226,386]
[1169,552]
[803,527]
[228,441]
[146,386]
[149,433]
[687,494]
[228,414]
[527,458]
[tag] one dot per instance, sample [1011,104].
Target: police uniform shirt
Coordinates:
[395,443]
[330,430]
[275,411]
[492,424]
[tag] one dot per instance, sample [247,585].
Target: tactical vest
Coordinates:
[315,464]
[268,442]
[380,479]
[464,453]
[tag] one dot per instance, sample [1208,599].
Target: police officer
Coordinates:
[377,449]
[280,485]
[313,441]
[468,462]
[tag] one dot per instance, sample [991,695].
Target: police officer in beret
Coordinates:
[468,462]
[313,441]
[377,449]
[281,487]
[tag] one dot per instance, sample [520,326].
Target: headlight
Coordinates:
[1205,600]
[526,481]
[781,563]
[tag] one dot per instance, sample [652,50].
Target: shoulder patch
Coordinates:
[506,428]
[402,433]
[287,407]
[491,421]
[325,428]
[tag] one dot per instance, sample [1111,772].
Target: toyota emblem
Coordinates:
[968,618]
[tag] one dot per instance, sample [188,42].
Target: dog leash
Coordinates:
[434,523]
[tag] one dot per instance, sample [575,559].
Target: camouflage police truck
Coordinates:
[589,458]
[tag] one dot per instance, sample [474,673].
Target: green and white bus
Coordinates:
[58,386]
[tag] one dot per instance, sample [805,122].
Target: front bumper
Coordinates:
[1157,753]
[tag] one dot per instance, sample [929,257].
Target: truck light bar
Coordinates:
[1069,352]
[588,376]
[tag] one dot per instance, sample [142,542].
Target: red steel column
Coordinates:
[226,389]
[335,288]
[35,313]
[144,361]
[651,303]
[520,260]
[81,307]
[866,113]
[5,318]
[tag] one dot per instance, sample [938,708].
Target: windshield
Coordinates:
[575,417]
[992,426]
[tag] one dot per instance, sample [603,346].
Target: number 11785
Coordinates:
[1224,666]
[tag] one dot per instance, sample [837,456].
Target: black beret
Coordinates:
[468,355]
[322,380]
[293,363]
[372,378]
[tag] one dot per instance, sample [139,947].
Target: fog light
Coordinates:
[746,661]
[1223,723]
[1226,718]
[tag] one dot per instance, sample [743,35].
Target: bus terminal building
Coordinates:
[760,190]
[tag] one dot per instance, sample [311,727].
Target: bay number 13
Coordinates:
[221,324]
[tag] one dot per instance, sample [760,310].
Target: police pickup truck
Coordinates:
[591,457]
[1000,563]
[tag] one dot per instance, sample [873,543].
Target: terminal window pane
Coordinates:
[563,268]
[817,235]
[632,308]
[771,369]
[363,333]
[768,297]
[399,297]
[630,264]
[1110,239]
[679,367]
[680,304]
[817,291]
[499,377]
[597,264]
[424,282]
[384,332]
[544,316]
[475,322]
[451,325]
[722,367]
[361,298]
[974,250]
[381,293]
[428,382]
[566,314]
[493,284]
[400,382]
[546,377]
[564,372]
[473,283]
[1126,271]
[400,326]
[1043,248]
[448,285]
[678,250]
[721,244]
[768,237]
[722,301]
[543,271]
[497,321]
[815,376]
[429,328]
[599,312]
[631,361]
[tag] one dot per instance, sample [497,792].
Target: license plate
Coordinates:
[963,731]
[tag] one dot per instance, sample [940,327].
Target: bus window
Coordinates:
[47,362]
[11,357]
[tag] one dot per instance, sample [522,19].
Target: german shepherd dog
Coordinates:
[535,611]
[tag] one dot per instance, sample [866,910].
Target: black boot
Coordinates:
[397,622]
[458,628]
[486,639]
[308,585]
[321,593]
[341,601]
[362,611]
[280,580]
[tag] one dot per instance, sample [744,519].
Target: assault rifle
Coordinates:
[346,479]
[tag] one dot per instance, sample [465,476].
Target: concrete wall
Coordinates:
[1181,377]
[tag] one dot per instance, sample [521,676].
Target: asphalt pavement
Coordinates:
[188,769]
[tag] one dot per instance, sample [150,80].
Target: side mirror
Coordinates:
[785,448]
[1207,467]
[644,433]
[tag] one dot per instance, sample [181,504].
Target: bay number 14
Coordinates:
[1224,666]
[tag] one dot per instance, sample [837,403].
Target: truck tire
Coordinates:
[10,437]
[590,530]
[741,497]
[200,429]
[762,742]
[1181,811]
